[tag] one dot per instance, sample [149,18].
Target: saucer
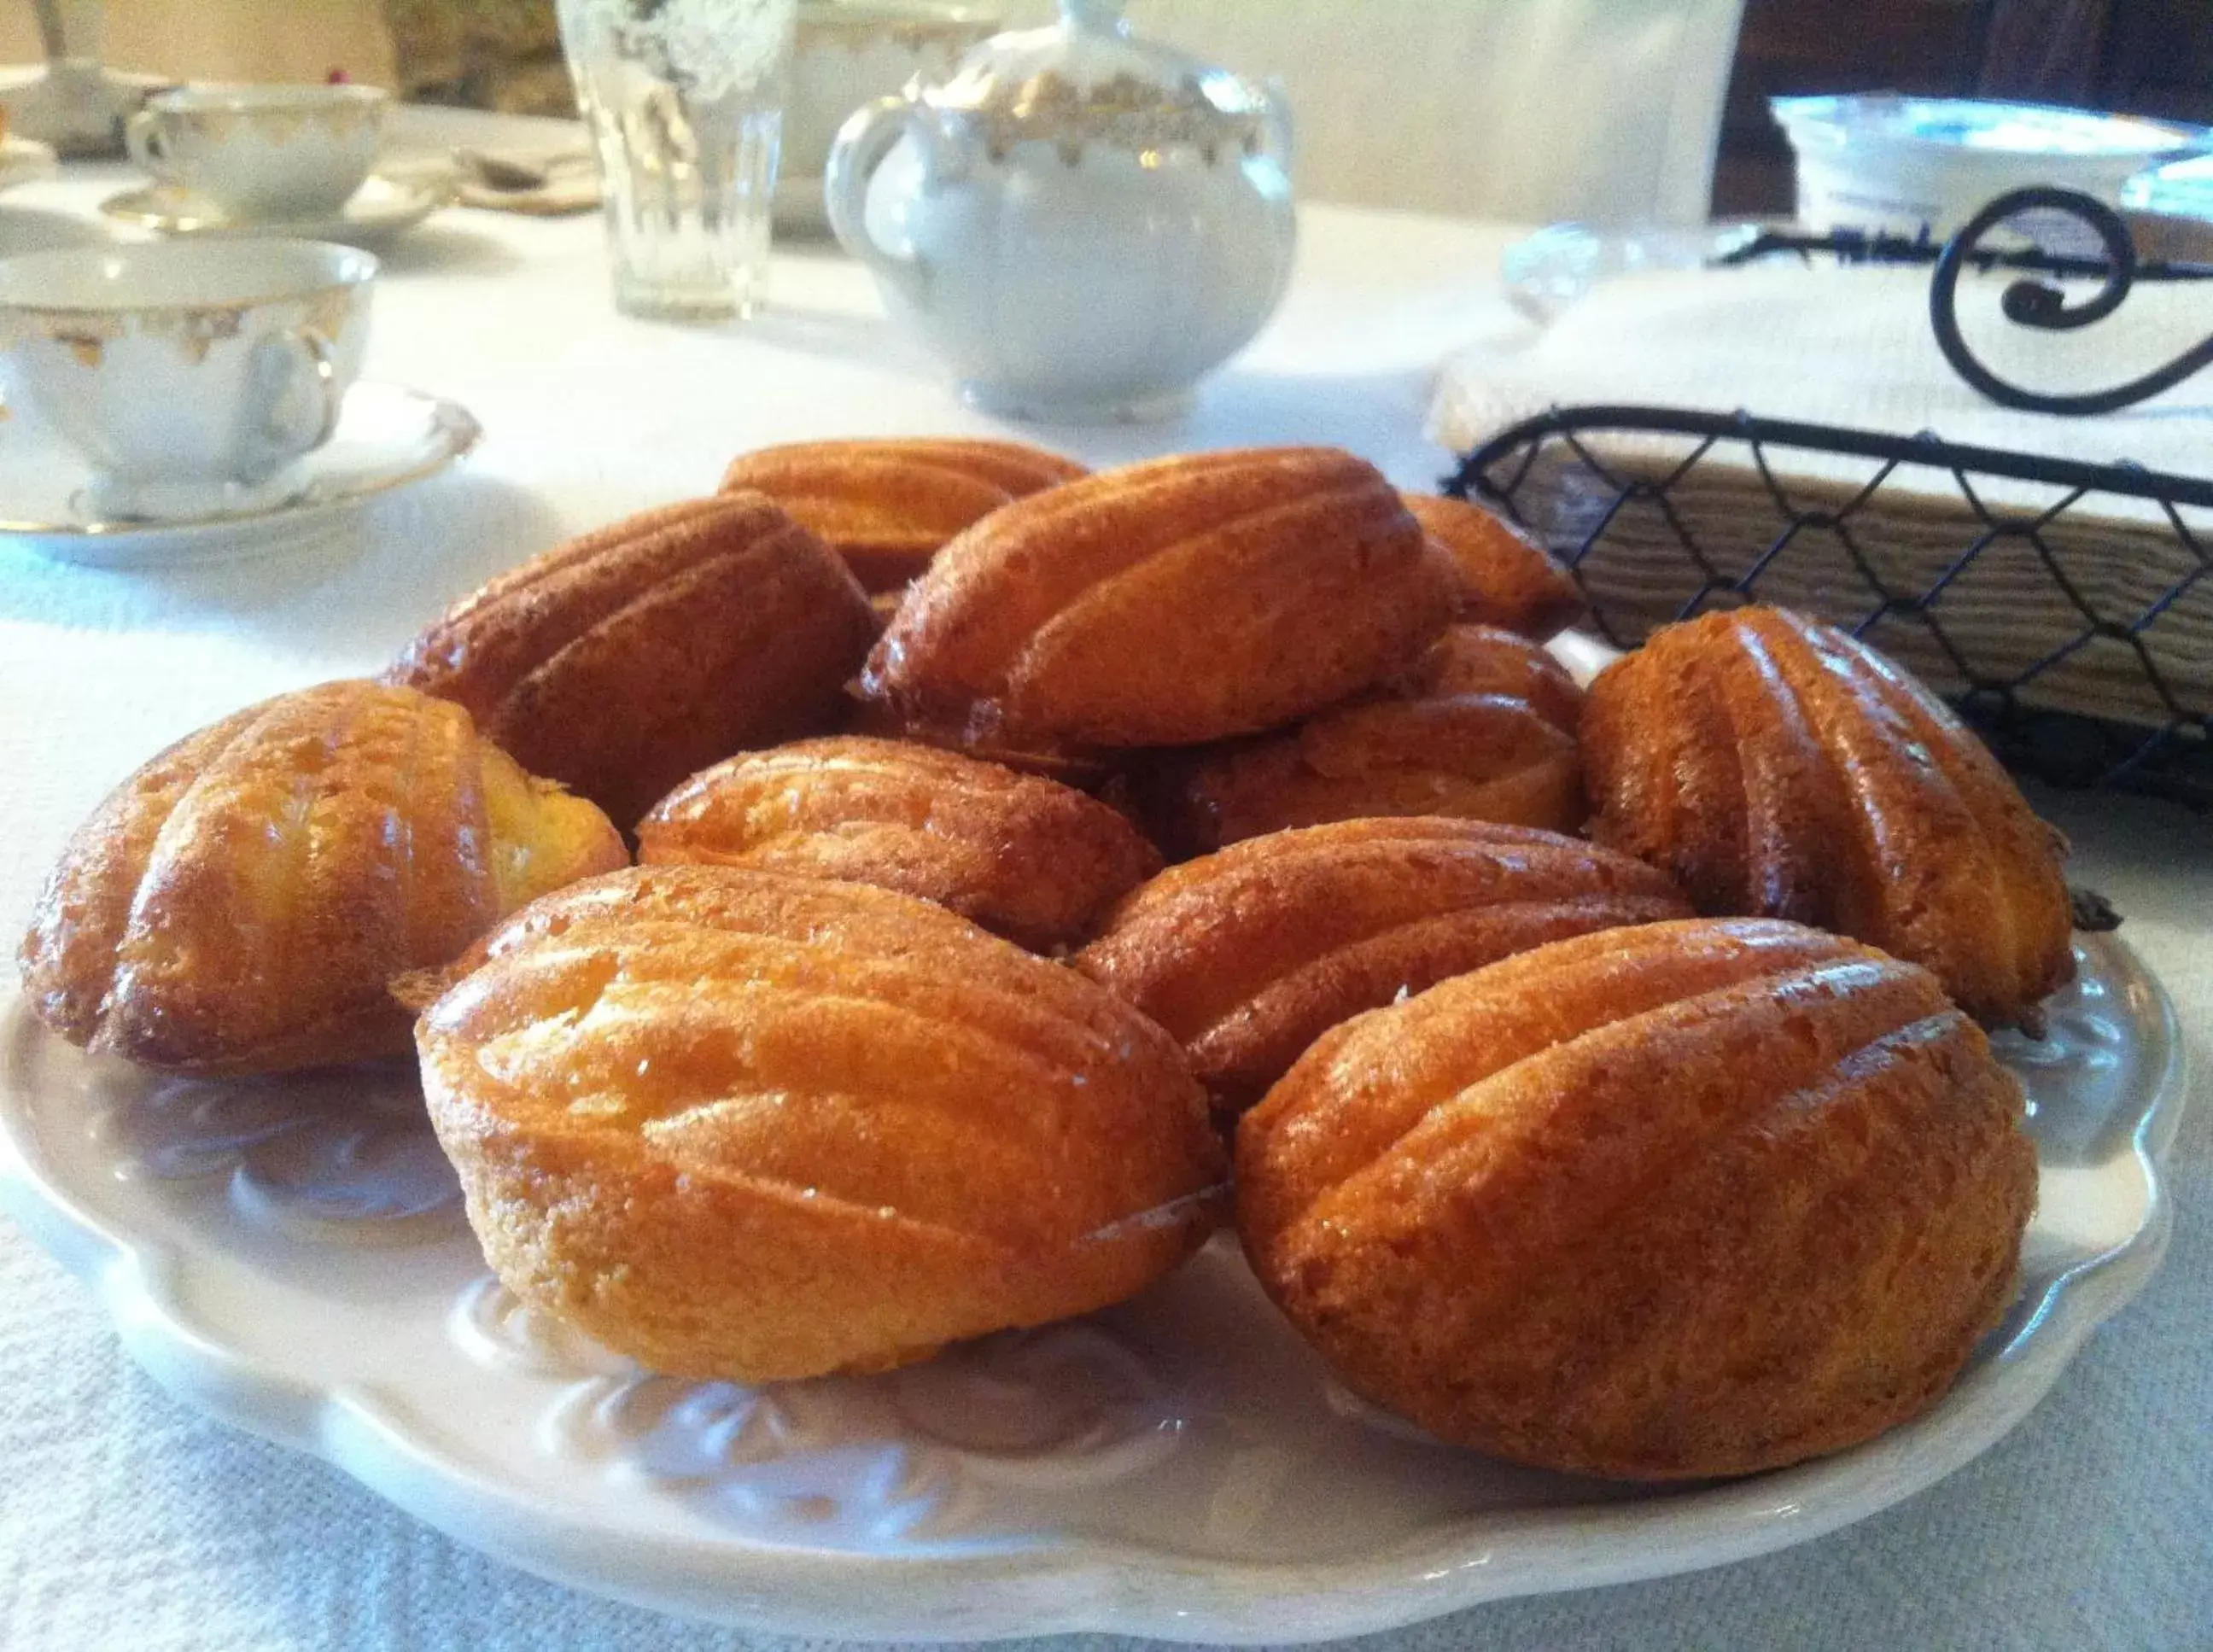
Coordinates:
[385,204]
[387,436]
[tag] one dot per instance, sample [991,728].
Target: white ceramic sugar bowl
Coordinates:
[1082,225]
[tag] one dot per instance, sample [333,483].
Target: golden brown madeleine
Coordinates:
[1072,766]
[887,505]
[239,904]
[1505,578]
[1482,728]
[1027,858]
[1472,659]
[1180,600]
[1698,1198]
[1777,767]
[1249,955]
[625,660]
[740,1124]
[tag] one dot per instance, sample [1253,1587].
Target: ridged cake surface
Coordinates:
[1180,600]
[1502,576]
[739,1124]
[627,659]
[1482,726]
[1025,857]
[241,902]
[888,505]
[1689,1199]
[1248,955]
[1775,765]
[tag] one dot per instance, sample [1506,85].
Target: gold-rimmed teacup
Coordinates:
[188,375]
[261,152]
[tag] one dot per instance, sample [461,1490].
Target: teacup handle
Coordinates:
[276,439]
[860,145]
[142,135]
[323,354]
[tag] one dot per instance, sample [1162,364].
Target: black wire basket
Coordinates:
[2065,608]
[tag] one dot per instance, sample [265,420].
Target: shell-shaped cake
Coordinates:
[1504,576]
[1777,767]
[887,504]
[1183,599]
[1483,727]
[1024,858]
[1698,1198]
[1249,955]
[1472,659]
[738,1124]
[1085,767]
[624,661]
[240,904]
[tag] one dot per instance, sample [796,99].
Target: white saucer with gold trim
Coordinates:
[387,204]
[387,436]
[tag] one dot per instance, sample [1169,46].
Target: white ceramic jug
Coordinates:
[1081,223]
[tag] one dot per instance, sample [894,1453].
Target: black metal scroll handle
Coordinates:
[2038,304]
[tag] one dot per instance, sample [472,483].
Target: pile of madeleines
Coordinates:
[1036,869]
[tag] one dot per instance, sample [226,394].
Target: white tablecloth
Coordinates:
[128,1521]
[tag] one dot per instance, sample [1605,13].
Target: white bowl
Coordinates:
[1883,162]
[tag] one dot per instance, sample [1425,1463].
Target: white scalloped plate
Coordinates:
[290,1257]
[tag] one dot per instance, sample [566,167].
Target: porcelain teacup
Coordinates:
[189,374]
[261,152]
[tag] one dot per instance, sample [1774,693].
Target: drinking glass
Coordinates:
[685,102]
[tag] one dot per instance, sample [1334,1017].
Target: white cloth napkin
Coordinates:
[1853,347]
[1843,346]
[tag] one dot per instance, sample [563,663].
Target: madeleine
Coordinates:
[240,904]
[1774,765]
[888,505]
[624,661]
[1482,727]
[1689,1199]
[1249,955]
[1502,576]
[1180,600]
[1025,857]
[737,1125]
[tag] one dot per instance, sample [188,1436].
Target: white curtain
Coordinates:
[1529,110]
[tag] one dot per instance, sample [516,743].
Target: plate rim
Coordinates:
[1087,1584]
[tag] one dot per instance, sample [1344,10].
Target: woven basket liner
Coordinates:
[2006,615]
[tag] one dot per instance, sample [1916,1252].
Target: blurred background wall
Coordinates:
[230,40]
[2152,56]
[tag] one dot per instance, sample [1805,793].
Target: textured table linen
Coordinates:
[129,1521]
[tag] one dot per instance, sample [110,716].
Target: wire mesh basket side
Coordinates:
[2066,609]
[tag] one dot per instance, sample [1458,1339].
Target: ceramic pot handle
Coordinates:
[862,144]
[1283,134]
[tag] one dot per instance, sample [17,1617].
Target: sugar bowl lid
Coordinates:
[1086,80]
